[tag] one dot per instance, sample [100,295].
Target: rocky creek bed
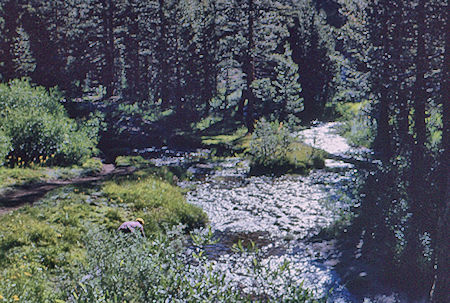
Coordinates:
[281,215]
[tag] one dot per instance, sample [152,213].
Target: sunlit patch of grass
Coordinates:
[154,200]
[134,161]
[37,242]
[302,155]
[40,244]
[234,142]
[92,166]
[21,176]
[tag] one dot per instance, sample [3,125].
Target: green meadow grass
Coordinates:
[41,245]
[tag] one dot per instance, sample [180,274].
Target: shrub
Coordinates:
[274,150]
[356,127]
[269,146]
[5,147]
[38,127]
[270,143]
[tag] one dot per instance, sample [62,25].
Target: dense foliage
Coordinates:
[188,57]
[37,128]
[274,150]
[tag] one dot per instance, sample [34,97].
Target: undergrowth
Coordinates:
[165,268]
[42,244]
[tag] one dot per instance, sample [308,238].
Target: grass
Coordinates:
[134,161]
[156,201]
[302,155]
[224,137]
[41,245]
[21,176]
[37,243]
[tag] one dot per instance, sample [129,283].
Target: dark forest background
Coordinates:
[153,72]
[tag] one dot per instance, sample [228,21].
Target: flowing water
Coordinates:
[280,214]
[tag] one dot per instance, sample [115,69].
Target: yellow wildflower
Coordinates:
[15,298]
[1,297]
[27,274]
[40,157]
[24,257]
[59,235]
[19,158]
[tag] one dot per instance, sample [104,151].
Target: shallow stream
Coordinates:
[281,215]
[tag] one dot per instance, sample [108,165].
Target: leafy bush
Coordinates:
[5,146]
[270,144]
[357,126]
[274,150]
[38,126]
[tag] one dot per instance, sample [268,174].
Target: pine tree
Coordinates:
[312,53]
[281,96]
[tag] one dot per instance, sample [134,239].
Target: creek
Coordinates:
[283,215]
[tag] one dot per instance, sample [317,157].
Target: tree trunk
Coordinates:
[133,68]
[249,70]
[418,202]
[439,291]
[163,83]
[108,29]
[382,142]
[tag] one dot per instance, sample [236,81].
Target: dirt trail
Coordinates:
[28,194]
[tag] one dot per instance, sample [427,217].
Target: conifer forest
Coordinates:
[272,151]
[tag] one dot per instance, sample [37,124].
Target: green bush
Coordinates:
[5,147]
[38,127]
[357,126]
[269,148]
[275,151]
[270,143]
